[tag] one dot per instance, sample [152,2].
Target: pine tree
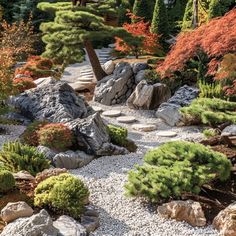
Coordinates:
[219,8]
[144,8]
[160,23]
[72,29]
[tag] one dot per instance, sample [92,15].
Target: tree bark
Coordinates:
[96,66]
[195,14]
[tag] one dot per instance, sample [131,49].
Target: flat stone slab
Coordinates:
[166,134]
[126,119]
[144,127]
[97,109]
[84,79]
[112,113]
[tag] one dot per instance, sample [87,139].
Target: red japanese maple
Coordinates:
[142,40]
[216,38]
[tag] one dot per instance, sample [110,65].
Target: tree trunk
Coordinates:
[195,14]
[97,69]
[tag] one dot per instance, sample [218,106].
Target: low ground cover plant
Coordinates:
[16,157]
[63,193]
[209,111]
[22,84]
[174,168]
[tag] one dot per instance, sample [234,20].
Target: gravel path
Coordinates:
[106,176]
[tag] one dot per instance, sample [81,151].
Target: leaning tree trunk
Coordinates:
[97,69]
[195,14]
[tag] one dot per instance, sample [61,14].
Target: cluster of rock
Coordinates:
[192,213]
[22,222]
[119,84]
[169,111]
[55,102]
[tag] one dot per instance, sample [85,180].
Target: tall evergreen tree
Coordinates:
[144,8]
[73,29]
[160,24]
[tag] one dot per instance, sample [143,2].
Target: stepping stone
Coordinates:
[144,127]
[166,134]
[84,79]
[112,113]
[97,109]
[126,119]
[79,86]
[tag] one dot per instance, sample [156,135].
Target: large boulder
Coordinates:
[39,224]
[67,226]
[225,221]
[188,211]
[147,96]
[15,210]
[92,136]
[115,88]
[169,111]
[109,67]
[54,101]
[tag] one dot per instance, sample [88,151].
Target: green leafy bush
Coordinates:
[16,157]
[210,133]
[174,168]
[213,90]
[117,134]
[30,135]
[7,181]
[64,193]
[152,77]
[56,136]
[209,111]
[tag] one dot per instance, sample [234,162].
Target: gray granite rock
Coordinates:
[55,101]
[140,76]
[39,224]
[138,66]
[14,116]
[48,153]
[67,226]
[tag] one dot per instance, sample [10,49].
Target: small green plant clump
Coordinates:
[209,111]
[174,168]
[63,193]
[213,90]
[210,133]
[30,135]
[56,136]
[7,181]
[117,134]
[16,157]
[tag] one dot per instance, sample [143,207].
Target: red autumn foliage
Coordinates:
[143,40]
[22,84]
[216,38]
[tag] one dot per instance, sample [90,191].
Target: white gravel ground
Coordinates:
[106,176]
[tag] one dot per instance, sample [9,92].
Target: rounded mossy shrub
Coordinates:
[56,136]
[63,193]
[117,134]
[174,168]
[22,84]
[30,135]
[7,181]
[16,157]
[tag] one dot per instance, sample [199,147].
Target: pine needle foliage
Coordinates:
[209,111]
[16,157]
[174,168]
[7,181]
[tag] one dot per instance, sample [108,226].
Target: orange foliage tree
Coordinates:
[139,39]
[215,39]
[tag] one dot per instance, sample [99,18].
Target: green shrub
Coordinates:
[16,157]
[209,111]
[210,133]
[117,134]
[213,90]
[174,168]
[64,193]
[152,77]
[56,136]
[7,181]
[30,135]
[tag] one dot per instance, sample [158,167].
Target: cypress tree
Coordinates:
[73,29]
[219,7]
[160,24]
[144,8]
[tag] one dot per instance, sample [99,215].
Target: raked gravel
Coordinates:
[106,176]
